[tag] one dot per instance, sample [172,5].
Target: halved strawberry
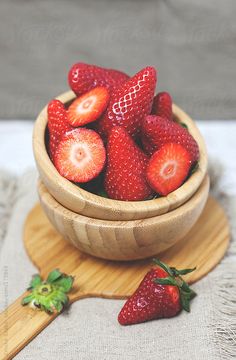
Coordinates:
[81,155]
[88,107]
[57,124]
[168,168]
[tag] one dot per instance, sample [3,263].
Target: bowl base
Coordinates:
[204,246]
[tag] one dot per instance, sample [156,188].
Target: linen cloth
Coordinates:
[191,43]
[89,329]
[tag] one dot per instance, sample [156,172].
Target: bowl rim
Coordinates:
[51,202]
[79,200]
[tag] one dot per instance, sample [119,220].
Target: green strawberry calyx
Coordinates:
[49,295]
[175,279]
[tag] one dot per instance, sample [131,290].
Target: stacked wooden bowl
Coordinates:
[119,230]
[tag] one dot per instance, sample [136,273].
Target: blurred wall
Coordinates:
[191,43]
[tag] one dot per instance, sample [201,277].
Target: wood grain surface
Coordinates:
[124,240]
[204,246]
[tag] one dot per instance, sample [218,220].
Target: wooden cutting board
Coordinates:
[204,247]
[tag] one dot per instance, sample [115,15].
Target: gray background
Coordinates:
[192,44]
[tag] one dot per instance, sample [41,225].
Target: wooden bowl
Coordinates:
[124,240]
[83,202]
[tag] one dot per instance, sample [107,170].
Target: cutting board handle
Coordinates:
[18,326]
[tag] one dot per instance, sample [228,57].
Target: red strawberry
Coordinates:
[57,124]
[147,146]
[157,131]
[84,77]
[81,155]
[125,174]
[168,168]
[130,103]
[88,107]
[118,76]
[162,105]
[161,294]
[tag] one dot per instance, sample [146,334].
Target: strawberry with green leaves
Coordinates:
[161,294]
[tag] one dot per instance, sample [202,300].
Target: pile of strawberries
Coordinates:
[117,128]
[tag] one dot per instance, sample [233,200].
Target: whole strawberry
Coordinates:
[157,131]
[126,164]
[162,105]
[130,103]
[57,124]
[161,294]
[84,77]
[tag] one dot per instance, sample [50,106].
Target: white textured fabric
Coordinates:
[89,330]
